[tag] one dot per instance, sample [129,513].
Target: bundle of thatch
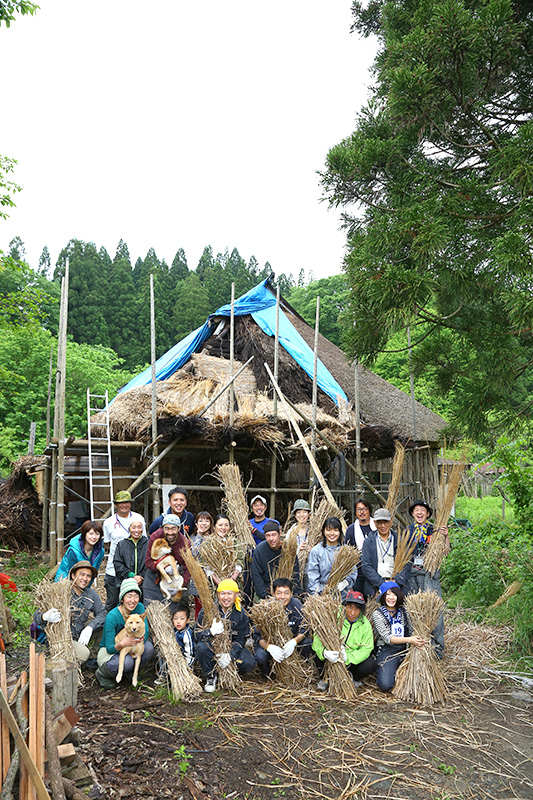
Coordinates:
[397,470]
[229,677]
[316,521]
[235,501]
[325,620]
[20,510]
[49,595]
[436,549]
[271,619]
[346,558]
[219,555]
[289,549]
[405,547]
[184,684]
[419,679]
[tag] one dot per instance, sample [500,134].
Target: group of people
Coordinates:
[132,581]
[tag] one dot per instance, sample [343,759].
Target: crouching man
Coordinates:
[228,607]
[84,602]
[265,652]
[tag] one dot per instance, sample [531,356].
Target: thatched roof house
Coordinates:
[192,372]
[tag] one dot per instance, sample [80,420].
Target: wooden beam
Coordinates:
[22,747]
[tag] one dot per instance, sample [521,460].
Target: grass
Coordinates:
[482,509]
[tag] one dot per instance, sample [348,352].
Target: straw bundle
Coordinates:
[322,614]
[220,555]
[397,470]
[419,678]
[184,684]
[346,558]
[289,549]
[270,617]
[435,552]
[230,477]
[405,547]
[229,677]
[371,606]
[57,595]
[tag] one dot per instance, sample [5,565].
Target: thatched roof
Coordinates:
[386,410]
[381,403]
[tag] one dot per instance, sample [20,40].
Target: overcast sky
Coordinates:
[180,123]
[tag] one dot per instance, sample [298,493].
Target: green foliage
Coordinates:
[184,759]
[8,9]
[333,293]
[7,187]
[516,457]
[22,602]
[438,171]
[481,510]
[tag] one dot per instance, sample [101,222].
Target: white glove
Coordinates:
[52,616]
[217,626]
[276,652]
[223,660]
[85,635]
[332,656]
[344,654]
[169,570]
[342,585]
[289,648]
[238,568]
[172,590]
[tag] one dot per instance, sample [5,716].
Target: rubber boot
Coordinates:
[104,678]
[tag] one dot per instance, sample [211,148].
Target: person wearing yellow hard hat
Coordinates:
[228,607]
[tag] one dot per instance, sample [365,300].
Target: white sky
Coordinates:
[174,123]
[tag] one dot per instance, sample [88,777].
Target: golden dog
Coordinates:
[161,553]
[134,627]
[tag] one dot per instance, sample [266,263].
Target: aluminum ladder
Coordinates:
[100,477]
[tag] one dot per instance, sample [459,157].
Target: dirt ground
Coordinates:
[267,741]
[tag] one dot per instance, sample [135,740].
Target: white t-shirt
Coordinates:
[115,529]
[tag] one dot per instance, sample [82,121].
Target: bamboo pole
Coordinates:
[231,356]
[274,462]
[155,496]
[61,384]
[46,507]
[315,384]
[299,434]
[357,410]
[49,396]
[336,450]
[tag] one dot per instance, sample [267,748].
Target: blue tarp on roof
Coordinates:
[261,304]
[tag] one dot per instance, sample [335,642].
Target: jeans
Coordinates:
[389,657]
[129,661]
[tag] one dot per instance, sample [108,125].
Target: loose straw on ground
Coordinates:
[237,507]
[271,619]
[57,595]
[184,684]
[229,677]
[419,678]
[397,471]
[325,619]
[346,558]
[435,553]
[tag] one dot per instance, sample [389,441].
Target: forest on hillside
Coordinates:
[109,323]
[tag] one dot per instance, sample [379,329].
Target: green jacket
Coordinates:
[358,640]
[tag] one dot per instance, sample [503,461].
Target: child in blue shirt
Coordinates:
[184,637]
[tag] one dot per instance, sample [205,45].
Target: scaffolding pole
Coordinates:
[155,495]
[274,460]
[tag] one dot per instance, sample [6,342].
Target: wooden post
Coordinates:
[231,355]
[61,392]
[46,502]
[31,442]
[413,411]
[36,778]
[155,494]
[23,782]
[274,462]
[5,758]
[64,677]
[6,633]
[49,396]
[315,384]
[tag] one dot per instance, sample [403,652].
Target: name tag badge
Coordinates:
[418,561]
[397,629]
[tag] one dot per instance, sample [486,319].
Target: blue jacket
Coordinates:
[75,553]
